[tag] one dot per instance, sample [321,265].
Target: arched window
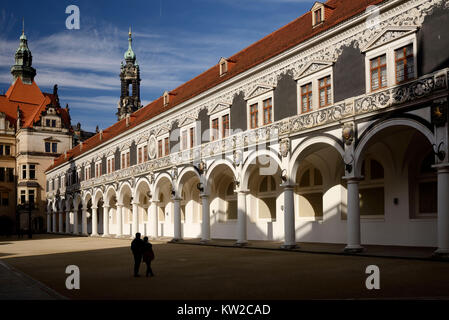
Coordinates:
[267,194]
[310,193]
[371,189]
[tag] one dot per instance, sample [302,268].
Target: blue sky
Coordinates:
[174,41]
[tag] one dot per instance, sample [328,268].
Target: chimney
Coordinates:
[101,134]
[81,145]
[65,154]
[127,120]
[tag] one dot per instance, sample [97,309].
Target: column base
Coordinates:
[94,235]
[441,254]
[289,246]
[353,249]
[241,243]
[204,241]
[107,235]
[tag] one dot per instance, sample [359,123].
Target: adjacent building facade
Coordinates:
[34,129]
[332,129]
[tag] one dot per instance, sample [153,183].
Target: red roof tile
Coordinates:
[31,101]
[273,44]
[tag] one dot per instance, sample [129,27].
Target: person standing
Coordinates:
[148,255]
[136,248]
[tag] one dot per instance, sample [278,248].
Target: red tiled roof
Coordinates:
[275,43]
[31,101]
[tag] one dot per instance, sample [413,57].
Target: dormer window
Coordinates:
[223,66]
[166,98]
[318,13]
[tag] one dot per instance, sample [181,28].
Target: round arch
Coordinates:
[211,171]
[98,196]
[251,158]
[109,193]
[158,180]
[370,133]
[142,184]
[307,143]
[184,172]
[125,185]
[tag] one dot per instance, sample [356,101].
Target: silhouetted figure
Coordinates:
[136,248]
[148,255]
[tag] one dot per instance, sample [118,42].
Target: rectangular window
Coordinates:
[5,199]
[267,111]
[1,149]
[192,137]
[378,71]
[167,146]
[128,159]
[10,174]
[7,150]
[405,69]
[47,147]
[215,131]
[47,122]
[54,147]
[317,16]
[139,155]
[225,125]
[2,174]
[325,89]
[253,115]
[123,164]
[306,98]
[145,153]
[32,171]
[22,196]
[24,171]
[159,149]
[53,123]
[31,196]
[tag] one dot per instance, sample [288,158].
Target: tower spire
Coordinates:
[130,83]
[22,67]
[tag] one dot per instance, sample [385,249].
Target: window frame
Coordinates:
[389,50]
[161,139]
[314,79]
[219,117]
[187,130]
[259,101]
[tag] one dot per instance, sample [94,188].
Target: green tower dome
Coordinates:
[129,54]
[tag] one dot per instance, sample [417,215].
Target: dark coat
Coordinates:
[136,247]
[147,251]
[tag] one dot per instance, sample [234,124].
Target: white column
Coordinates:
[94,221]
[119,221]
[353,220]
[241,218]
[54,222]
[177,219]
[135,226]
[84,221]
[61,217]
[75,222]
[205,226]
[105,221]
[443,211]
[289,218]
[49,221]
[153,219]
[67,222]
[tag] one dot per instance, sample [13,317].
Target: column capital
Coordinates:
[94,208]
[246,191]
[106,206]
[119,204]
[135,202]
[289,185]
[353,179]
[204,195]
[441,167]
[177,198]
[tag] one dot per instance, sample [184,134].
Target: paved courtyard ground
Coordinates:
[202,272]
